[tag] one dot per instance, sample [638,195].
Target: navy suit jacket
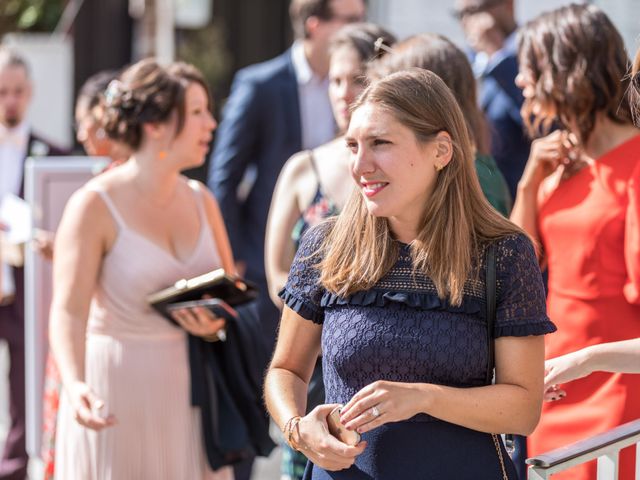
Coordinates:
[260,128]
[501,100]
[259,131]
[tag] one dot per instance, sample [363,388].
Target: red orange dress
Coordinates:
[590,229]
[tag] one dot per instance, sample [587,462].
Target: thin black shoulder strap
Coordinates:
[490,297]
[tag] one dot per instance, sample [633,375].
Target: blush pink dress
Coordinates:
[137,362]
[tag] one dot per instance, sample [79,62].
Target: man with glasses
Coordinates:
[490,29]
[276,108]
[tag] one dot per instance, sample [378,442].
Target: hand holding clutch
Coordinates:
[206,318]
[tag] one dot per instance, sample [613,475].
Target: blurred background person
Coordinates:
[89,113]
[91,135]
[17,142]
[578,197]
[276,109]
[121,362]
[437,53]
[315,184]
[489,28]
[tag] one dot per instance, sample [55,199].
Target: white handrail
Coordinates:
[605,447]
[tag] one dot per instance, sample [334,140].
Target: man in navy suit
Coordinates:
[17,142]
[276,109]
[490,29]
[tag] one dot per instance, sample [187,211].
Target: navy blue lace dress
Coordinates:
[401,331]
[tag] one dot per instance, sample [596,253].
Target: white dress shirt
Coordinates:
[316,116]
[13,150]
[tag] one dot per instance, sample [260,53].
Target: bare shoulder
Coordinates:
[86,213]
[298,166]
[336,145]
[209,200]
[110,181]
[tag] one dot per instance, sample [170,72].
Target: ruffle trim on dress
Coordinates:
[301,307]
[417,300]
[537,327]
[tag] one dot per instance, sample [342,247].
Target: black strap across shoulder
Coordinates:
[490,298]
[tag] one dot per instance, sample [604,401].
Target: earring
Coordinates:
[439,167]
[162,154]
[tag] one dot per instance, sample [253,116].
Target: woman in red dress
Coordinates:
[580,198]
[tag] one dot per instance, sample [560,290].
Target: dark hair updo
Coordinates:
[145,93]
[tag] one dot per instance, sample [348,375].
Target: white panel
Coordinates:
[49,182]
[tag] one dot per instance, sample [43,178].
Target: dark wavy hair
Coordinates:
[437,53]
[577,61]
[147,93]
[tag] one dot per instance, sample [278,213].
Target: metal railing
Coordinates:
[605,447]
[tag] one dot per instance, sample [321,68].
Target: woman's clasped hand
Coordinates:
[323,449]
[382,402]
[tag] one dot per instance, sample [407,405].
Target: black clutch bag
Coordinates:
[215,284]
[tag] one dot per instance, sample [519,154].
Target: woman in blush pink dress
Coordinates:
[125,411]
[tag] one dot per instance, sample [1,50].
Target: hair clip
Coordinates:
[111,93]
[379,46]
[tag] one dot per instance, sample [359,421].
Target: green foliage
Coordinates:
[206,49]
[30,15]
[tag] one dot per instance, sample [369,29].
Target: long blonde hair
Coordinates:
[359,248]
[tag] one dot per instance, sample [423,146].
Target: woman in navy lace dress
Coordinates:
[392,291]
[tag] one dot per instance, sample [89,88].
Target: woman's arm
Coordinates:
[623,356]
[285,393]
[546,154]
[288,376]
[512,405]
[216,224]
[284,212]
[81,242]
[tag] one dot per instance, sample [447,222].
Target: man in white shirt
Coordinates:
[16,143]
